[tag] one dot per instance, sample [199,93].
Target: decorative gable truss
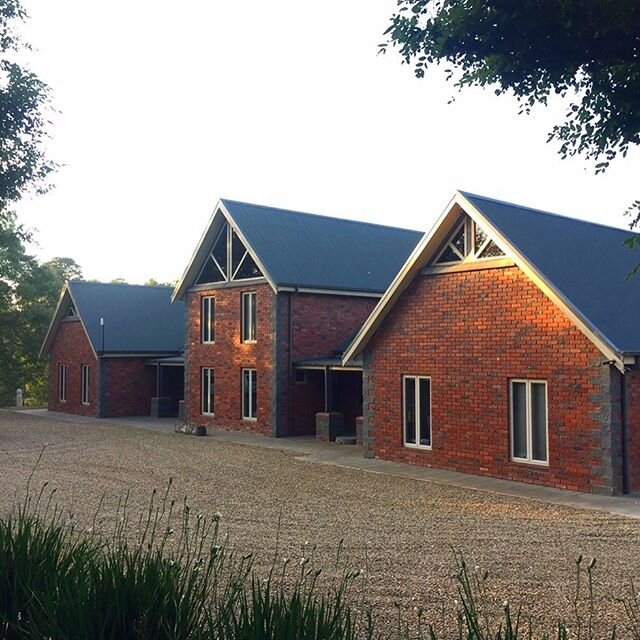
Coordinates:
[467,243]
[229,260]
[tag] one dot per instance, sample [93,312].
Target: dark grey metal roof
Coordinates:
[137,319]
[319,252]
[587,264]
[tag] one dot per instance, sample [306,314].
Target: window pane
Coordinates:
[410,410]
[519,426]
[237,251]
[248,269]
[492,250]
[254,393]
[220,251]
[539,421]
[246,383]
[458,241]
[248,317]
[449,255]
[480,237]
[208,319]
[210,273]
[425,412]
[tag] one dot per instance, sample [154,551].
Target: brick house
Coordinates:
[272,298]
[507,346]
[113,348]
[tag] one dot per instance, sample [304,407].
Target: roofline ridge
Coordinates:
[119,284]
[320,215]
[542,211]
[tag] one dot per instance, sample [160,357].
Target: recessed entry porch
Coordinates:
[169,386]
[327,398]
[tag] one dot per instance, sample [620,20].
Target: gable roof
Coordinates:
[137,318]
[581,266]
[303,250]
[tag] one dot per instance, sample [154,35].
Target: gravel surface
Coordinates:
[403,530]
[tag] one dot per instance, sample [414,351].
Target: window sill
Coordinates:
[531,463]
[208,415]
[207,342]
[421,447]
[248,341]
[249,419]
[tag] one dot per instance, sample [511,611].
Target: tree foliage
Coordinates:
[28,290]
[587,50]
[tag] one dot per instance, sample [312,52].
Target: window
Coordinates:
[84,384]
[71,312]
[301,376]
[208,319]
[248,329]
[529,429]
[229,259]
[249,393]
[468,242]
[417,411]
[208,394]
[62,382]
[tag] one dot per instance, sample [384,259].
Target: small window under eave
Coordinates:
[229,260]
[467,242]
[71,312]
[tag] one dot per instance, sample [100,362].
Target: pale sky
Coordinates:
[166,107]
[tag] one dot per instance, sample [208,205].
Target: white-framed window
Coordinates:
[249,394]
[528,421]
[416,423]
[84,383]
[208,391]
[467,242]
[62,382]
[249,317]
[208,319]
[229,259]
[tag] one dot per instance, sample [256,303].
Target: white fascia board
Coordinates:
[580,321]
[183,284]
[429,243]
[55,320]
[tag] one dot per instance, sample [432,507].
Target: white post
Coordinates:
[19,399]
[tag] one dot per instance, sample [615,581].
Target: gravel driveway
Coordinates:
[407,527]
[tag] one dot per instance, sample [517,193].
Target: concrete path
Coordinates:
[350,456]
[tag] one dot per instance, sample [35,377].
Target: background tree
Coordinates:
[24,169]
[587,50]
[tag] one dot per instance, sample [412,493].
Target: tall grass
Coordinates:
[174,578]
[171,574]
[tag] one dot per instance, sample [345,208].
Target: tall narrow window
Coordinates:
[417,411]
[249,394]
[62,382]
[208,395]
[208,319]
[84,383]
[529,426]
[249,321]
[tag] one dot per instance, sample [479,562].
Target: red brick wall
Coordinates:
[633,427]
[71,347]
[228,356]
[472,332]
[320,324]
[129,385]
